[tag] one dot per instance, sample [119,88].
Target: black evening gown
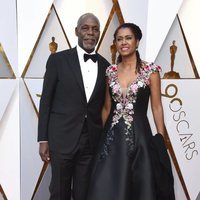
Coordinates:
[124,166]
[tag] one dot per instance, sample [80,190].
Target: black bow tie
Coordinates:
[93,57]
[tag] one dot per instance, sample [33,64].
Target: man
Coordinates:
[70,121]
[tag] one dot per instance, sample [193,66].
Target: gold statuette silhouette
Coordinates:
[172,74]
[53,45]
[113,52]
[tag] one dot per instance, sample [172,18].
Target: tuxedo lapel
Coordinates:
[75,67]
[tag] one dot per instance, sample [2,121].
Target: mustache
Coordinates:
[90,39]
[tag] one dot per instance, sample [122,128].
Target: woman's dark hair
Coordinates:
[138,35]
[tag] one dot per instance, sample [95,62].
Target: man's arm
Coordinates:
[50,80]
[107,104]
[49,84]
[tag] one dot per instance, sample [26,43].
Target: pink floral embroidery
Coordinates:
[125,105]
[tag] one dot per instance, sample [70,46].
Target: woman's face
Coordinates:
[126,43]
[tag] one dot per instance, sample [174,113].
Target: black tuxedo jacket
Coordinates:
[63,104]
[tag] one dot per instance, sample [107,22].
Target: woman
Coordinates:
[128,166]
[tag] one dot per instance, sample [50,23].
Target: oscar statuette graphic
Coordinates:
[172,74]
[113,52]
[53,45]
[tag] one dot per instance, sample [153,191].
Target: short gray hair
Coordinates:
[86,15]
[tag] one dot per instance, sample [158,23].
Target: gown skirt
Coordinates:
[122,173]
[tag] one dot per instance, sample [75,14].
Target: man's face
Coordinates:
[88,33]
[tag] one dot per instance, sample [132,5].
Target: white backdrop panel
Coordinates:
[31,164]
[161,15]
[52,28]
[136,11]
[182,63]
[104,49]
[34,87]
[8,33]
[69,13]
[7,88]
[182,123]
[43,189]
[5,72]
[10,148]
[189,16]
[31,17]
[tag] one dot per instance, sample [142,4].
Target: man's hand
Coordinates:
[44,151]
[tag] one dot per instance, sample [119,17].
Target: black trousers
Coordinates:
[71,172]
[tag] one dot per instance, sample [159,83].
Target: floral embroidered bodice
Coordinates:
[126,97]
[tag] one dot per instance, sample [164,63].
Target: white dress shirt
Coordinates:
[89,72]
